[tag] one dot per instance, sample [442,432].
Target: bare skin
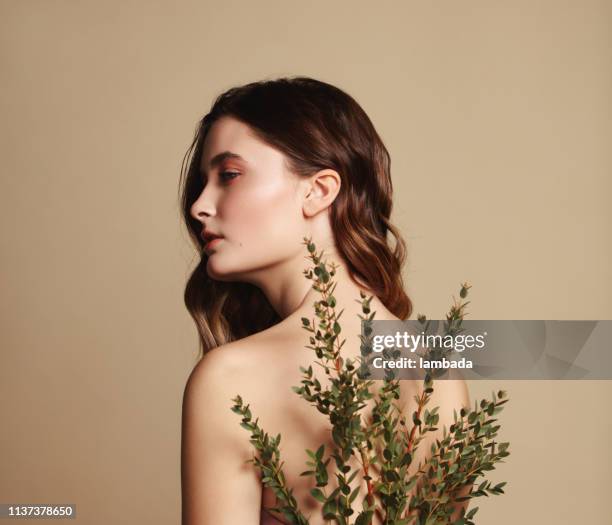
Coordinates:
[263,217]
[262,368]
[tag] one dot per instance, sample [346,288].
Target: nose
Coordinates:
[202,206]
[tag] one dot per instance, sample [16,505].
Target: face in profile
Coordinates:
[251,200]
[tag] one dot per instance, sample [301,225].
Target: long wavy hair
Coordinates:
[316,126]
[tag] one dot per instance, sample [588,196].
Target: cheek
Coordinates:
[267,219]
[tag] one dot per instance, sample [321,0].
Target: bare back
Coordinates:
[271,368]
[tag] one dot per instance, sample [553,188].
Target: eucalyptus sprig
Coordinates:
[269,464]
[397,494]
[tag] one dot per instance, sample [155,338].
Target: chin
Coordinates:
[217,271]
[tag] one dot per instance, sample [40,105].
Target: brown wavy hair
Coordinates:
[316,126]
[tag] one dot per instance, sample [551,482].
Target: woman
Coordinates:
[271,163]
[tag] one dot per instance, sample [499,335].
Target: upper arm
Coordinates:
[218,486]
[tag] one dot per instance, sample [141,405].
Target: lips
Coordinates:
[208,236]
[211,243]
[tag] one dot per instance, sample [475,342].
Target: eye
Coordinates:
[230,175]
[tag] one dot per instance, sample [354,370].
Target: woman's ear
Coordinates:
[321,190]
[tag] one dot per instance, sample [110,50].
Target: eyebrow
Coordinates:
[220,157]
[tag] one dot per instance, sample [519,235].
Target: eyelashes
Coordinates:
[232,175]
[224,177]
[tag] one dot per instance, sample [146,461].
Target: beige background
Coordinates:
[497,116]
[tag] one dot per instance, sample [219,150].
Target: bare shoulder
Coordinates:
[208,422]
[208,390]
[239,367]
[221,368]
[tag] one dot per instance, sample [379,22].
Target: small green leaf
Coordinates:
[318,495]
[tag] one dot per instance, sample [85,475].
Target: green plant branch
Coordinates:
[269,464]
